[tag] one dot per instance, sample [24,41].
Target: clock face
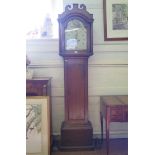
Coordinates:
[75,36]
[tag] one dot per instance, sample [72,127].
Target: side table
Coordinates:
[113,109]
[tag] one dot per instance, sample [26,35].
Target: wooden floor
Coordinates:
[117,147]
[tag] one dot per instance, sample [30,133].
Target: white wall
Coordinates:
[108,70]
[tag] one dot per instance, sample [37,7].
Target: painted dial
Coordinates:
[75,36]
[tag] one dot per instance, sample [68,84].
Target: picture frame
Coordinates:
[37,125]
[115,20]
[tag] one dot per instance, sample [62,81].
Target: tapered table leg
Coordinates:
[101,120]
[107,128]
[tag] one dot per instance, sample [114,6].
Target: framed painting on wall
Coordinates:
[37,125]
[115,20]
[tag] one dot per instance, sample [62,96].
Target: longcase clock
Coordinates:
[76,45]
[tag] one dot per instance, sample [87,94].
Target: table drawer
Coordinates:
[37,87]
[125,112]
[116,114]
[35,90]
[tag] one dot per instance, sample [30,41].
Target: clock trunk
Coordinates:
[76,130]
[76,93]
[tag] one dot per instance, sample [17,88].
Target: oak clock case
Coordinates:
[76,45]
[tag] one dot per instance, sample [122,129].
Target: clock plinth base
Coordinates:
[76,136]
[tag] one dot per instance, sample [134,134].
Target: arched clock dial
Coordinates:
[75,36]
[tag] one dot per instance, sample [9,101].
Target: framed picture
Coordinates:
[115,20]
[37,125]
